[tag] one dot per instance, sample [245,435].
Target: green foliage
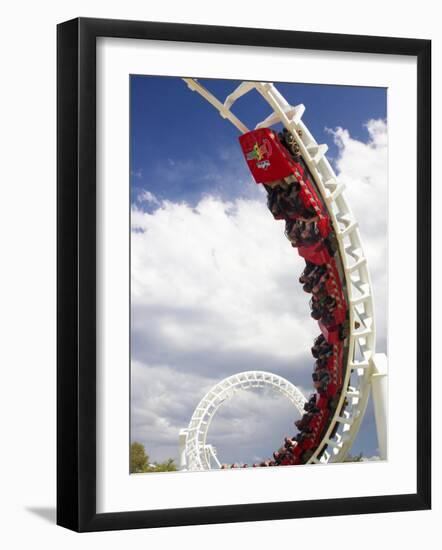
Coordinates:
[357,458]
[139,461]
[166,466]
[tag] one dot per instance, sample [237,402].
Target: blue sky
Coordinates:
[205,253]
[170,124]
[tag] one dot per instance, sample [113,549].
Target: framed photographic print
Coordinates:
[243,274]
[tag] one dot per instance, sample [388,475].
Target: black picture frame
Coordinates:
[77,287]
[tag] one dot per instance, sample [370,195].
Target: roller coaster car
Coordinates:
[331,333]
[322,403]
[297,451]
[332,389]
[308,444]
[266,157]
[318,421]
[316,254]
[337,316]
[270,162]
[331,363]
[336,333]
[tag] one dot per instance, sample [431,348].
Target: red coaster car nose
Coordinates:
[266,158]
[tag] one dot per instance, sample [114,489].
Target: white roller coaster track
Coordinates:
[196,439]
[361,349]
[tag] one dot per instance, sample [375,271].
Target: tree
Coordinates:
[139,460]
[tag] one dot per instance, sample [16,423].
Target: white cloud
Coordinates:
[228,266]
[161,399]
[363,169]
[147,196]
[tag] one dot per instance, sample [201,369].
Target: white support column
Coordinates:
[182,438]
[379,392]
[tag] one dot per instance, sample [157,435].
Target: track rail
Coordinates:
[196,438]
[352,404]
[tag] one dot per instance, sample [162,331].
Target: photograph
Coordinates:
[259,271]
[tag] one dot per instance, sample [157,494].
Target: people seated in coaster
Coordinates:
[310,406]
[316,309]
[314,280]
[328,307]
[303,422]
[325,352]
[305,275]
[284,201]
[321,364]
[322,383]
[290,201]
[322,307]
[293,229]
[307,287]
[273,202]
[319,291]
[290,443]
[302,212]
[322,351]
[319,276]
[319,340]
[321,279]
[279,455]
[302,233]
[310,234]
[302,436]
[318,283]
[328,318]
[320,375]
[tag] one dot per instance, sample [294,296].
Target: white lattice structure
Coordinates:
[361,363]
[197,454]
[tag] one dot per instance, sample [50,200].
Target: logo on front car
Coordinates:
[259,152]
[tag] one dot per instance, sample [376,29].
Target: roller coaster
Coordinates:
[304,193]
